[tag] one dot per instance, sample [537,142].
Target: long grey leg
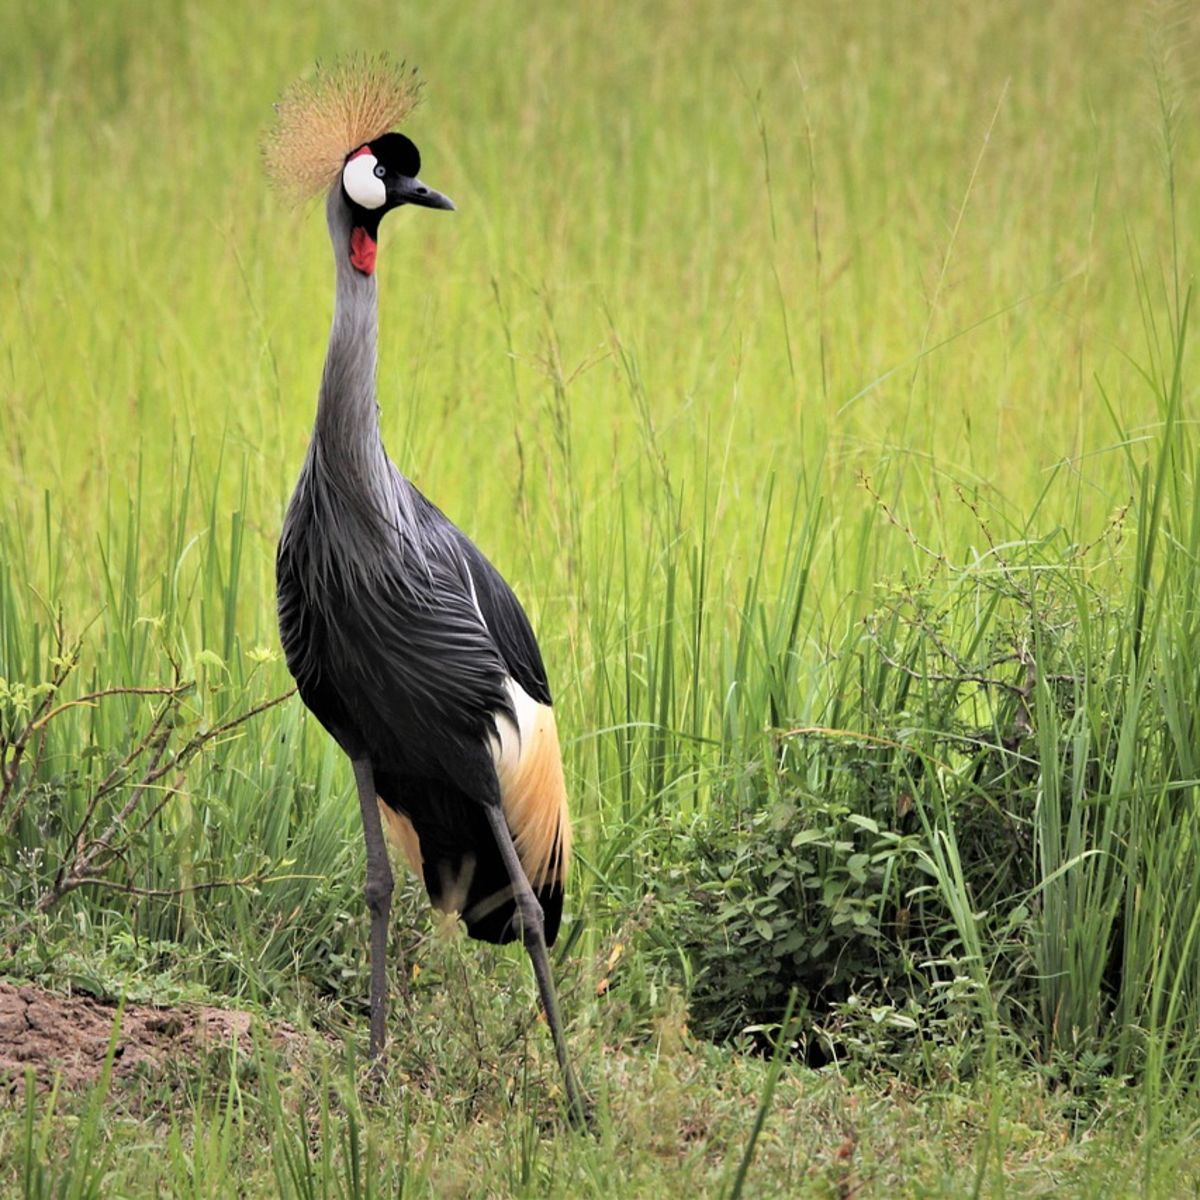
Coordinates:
[378,893]
[532,922]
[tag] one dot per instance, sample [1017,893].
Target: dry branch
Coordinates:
[151,768]
[91,852]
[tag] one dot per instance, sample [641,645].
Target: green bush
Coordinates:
[801,893]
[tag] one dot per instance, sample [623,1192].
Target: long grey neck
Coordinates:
[346,434]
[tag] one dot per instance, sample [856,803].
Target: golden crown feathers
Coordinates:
[325,115]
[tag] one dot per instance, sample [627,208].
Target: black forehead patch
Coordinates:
[398,154]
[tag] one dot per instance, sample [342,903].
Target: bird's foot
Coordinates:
[581,1114]
[374,1077]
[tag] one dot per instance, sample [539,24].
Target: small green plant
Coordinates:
[97,814]
[798,896]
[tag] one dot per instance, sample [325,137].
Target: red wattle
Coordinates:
[359,152]
[362,251]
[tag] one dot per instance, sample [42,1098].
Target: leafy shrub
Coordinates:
[800,893]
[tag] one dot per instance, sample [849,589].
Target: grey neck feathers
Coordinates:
[346,434]
[361,501]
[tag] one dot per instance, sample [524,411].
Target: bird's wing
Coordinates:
[417,677]
[457,647]
[506,621]
[528,757]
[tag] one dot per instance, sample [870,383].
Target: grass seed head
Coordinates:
[331,111]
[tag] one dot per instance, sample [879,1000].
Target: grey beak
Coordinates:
[413,191]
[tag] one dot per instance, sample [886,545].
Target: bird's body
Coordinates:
[405,642]
[413,652]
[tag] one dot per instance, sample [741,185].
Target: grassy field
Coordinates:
[821,379]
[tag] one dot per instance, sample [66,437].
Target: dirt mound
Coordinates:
[70,1035]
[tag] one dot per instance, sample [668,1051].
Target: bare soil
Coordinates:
[69,1036]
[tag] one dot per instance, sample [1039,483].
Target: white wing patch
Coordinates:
[513,737]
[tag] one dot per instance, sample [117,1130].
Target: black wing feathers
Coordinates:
[507,622]
[400,635]
[386,622]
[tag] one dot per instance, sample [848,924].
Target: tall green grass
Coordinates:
[820,379]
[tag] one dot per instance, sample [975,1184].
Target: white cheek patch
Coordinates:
[362,185]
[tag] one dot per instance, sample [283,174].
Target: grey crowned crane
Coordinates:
[404,641]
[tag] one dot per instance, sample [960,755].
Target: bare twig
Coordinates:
[865,480]
[93,697]
[93,852]
[118,775]
[14,751]
[132,889]
[959,677]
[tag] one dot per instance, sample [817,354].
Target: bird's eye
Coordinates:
[380,171]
